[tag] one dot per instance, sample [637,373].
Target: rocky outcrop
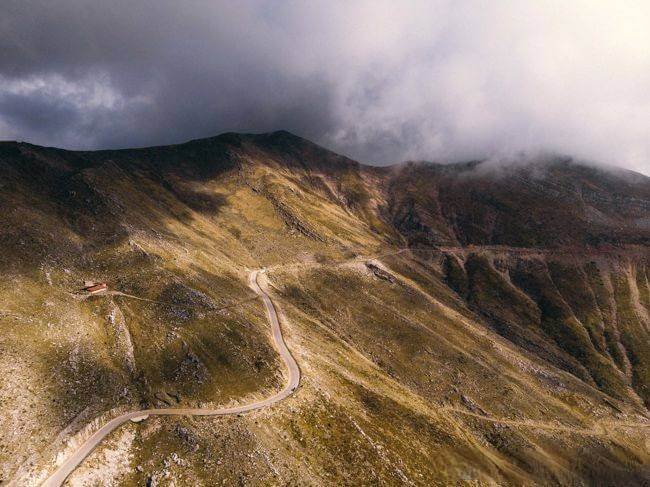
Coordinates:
[586,316]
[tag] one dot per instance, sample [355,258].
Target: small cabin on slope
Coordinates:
[96,288]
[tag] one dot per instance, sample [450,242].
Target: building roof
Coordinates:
[97,287]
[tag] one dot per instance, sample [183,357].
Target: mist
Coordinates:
[379,81]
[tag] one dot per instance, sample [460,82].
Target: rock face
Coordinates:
[548,203]
[464,323]
[585,314]
[560,265]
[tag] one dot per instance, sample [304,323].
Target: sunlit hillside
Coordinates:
[465,324]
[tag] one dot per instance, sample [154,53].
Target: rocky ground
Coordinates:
[461,324]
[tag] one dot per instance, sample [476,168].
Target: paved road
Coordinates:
[91,443]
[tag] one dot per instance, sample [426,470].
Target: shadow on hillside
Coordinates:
[207,203]
[64,212]
[74,387]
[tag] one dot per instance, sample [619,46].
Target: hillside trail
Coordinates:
[292,383]
[293,380]
[599,426]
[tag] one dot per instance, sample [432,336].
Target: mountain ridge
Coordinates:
[285,135]
[461,309]
[603,196]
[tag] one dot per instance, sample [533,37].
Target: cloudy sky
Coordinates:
[381,81]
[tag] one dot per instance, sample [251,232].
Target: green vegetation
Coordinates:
[481,364]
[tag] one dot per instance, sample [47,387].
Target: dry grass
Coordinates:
[438,370]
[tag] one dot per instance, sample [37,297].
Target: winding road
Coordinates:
[65,469]
[293,380]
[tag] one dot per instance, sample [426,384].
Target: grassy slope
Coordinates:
[404,381]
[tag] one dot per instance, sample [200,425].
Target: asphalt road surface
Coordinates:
[62,473]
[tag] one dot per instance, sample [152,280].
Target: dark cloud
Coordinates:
[381,81]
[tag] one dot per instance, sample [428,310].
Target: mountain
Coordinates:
[468,324]
[548,203]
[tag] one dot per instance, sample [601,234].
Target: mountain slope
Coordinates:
[544,203]
[507,344]
[561,249]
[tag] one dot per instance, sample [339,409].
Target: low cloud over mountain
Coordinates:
[380,81]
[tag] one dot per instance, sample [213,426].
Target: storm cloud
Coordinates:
[381,81]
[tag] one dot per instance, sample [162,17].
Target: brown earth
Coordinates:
[464,324]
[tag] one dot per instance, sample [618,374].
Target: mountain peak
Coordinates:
[538,286]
